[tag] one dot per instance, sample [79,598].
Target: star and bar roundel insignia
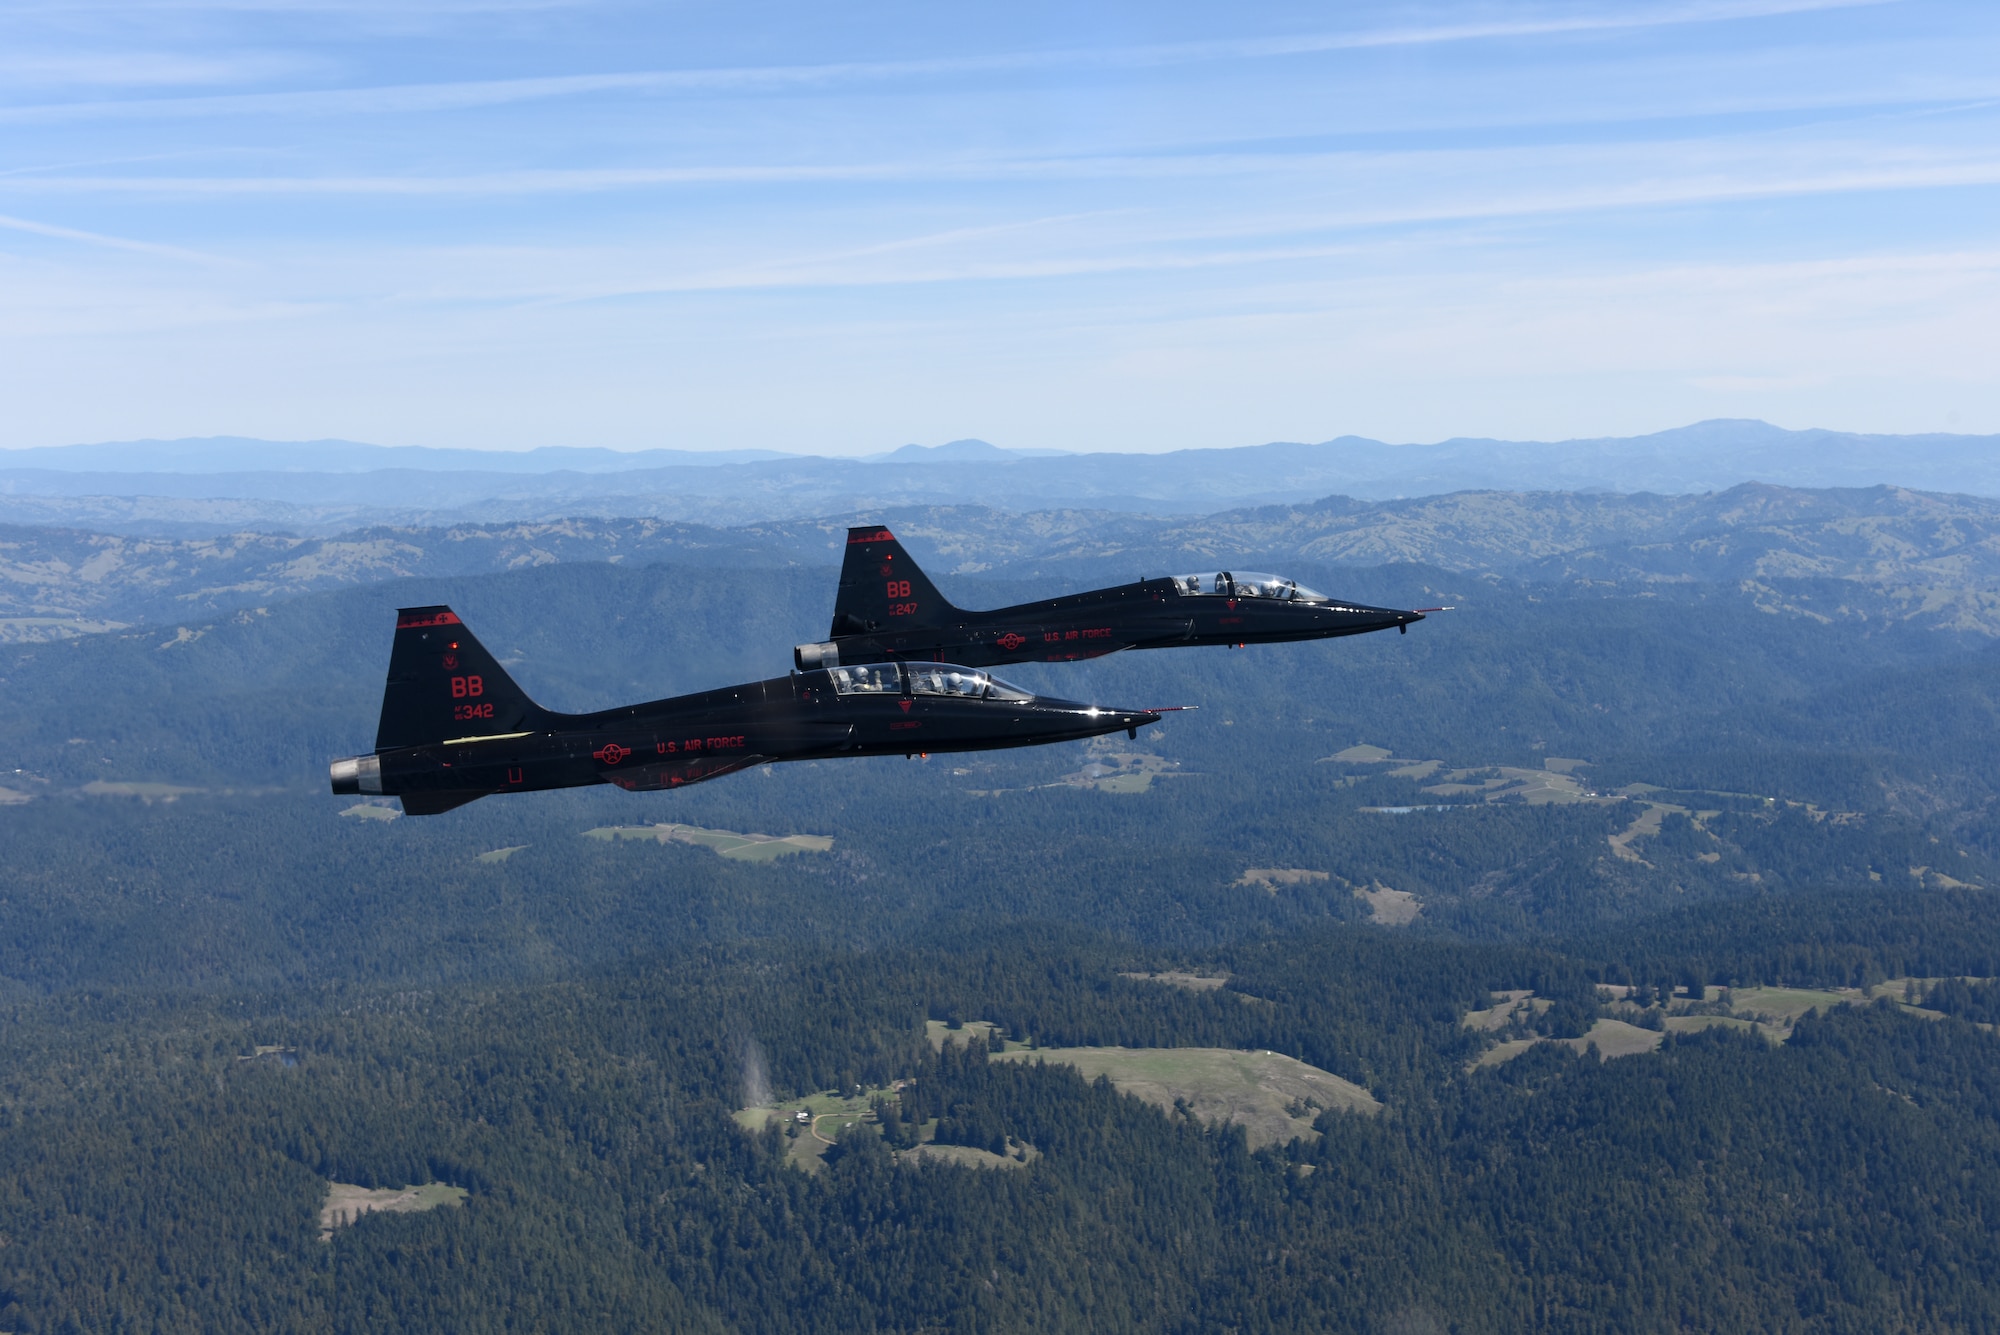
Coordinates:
[1012,640]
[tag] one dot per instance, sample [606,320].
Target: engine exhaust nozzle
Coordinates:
[355,775]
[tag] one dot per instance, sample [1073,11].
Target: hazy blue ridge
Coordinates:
[228,454]
[320,486]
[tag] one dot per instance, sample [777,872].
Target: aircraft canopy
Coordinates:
[1248,584]
[924,679]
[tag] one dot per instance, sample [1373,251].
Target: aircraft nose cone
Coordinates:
[1122,718]
[1131,720]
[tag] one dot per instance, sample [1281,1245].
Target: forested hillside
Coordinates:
[1883,554]
[1721,1182]
[1647,895]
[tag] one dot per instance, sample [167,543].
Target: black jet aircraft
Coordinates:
[455,727]
[887,609]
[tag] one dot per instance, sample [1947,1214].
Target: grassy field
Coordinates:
[1554,782]
[1505,1006]
[346,1202]
[1505,783]
[1389,908]
[1644,826]
[941,1033]
[839,1110]
[965,1156]
[1694,1024]
[1122,772]
[1783,1005]
[727,843]
[1616,1038]
[501,854]
[1270,878]
[1273,1098]
[1504,1052]
[1647,824]
[1106,771]
[829,1114]
[145,792]
[1769,1011]
[1899,989]
[1612,1038]
[1193,982]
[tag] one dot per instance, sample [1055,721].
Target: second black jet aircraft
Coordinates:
[455,727]
[887,609]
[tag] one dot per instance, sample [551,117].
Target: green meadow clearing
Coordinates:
[727,843]
[829,1113]
[346,1203]
[1274,1098]
[1768,1011]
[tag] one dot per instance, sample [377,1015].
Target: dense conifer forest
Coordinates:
[1658,923]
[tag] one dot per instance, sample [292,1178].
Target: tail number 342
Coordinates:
[464,687]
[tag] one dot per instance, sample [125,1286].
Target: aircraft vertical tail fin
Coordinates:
[882,589]
[444,684]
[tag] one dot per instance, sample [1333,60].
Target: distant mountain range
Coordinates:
[198,487]
[247,454]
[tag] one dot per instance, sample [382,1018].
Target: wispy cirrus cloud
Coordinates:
[1658,172]
[1236,232]
[28,68]
[100,239]
[399,9]
[464,95]
[776,222]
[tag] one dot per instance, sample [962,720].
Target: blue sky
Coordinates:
[1146,226]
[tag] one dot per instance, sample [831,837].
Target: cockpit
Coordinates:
[923,679]
[1249,584]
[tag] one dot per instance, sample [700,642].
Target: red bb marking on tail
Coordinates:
[418,623]
[879,535]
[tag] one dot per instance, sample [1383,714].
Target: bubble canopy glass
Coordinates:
[1249,584]
[923,679]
